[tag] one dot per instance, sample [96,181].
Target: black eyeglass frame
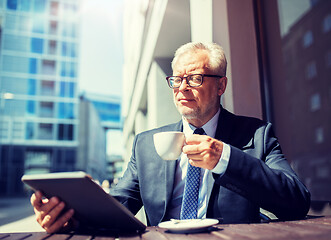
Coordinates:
[182,79]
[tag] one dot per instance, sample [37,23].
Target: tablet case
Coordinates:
[93,206]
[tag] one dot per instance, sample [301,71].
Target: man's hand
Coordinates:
[203,151]
[48,213]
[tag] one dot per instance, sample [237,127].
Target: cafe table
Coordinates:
[317,227]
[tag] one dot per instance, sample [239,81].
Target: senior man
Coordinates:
[231,166]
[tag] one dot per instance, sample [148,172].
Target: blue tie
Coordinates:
[189,208]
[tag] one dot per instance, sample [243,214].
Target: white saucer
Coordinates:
[189,225]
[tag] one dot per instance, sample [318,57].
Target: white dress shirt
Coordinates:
[206,178]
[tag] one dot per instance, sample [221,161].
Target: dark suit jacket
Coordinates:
[258,175]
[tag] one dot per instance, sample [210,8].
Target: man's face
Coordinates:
[199,104]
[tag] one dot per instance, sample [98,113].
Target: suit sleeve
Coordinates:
[127,190]
[266,178]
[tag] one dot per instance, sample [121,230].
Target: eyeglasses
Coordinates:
[193,80]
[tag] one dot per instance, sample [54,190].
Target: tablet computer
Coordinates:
[93,206]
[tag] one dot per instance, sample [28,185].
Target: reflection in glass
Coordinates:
[302,113]
[45,131]
[66,110]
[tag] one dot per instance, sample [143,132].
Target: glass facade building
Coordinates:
[39,42]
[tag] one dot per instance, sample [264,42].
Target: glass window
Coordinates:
[15,64]
[46,109]
[29,130]
[53,27]
[65,132]
[47,88]
[300,115]
[315,102]
[307,39]
[66,110]
[14,108]
[45,131]
[319,135]
[31,107]
[39,6]
[12,4]
[33,65]
[311,71]
[32,86]
[16,43]
[327,23]
[37,45]
[25,5]
[48,67]
[52,47]
[54,8]
[67,89]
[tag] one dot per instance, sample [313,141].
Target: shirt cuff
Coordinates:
[222,164]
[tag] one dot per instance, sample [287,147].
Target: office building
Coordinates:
[38,82]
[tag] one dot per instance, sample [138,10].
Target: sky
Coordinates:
[101,55]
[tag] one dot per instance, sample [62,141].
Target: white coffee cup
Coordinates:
[169,144]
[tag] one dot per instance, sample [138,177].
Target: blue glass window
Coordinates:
[31,107]
[25,5]
[64,48]
[73,68]
[37,45]
[12,4]
[32,87]
[39,6]
[65,132]
[29,132]
[32,65]
[67,89]
[66,110]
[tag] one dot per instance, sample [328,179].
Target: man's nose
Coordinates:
[184,85]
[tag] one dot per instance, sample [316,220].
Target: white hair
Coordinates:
[217,59]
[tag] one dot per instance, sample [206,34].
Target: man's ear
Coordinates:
[222,85]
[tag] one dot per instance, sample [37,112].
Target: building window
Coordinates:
[46,109]
[52,47]
[65,132]
[53,27]
[29,130]
[12,4]
[319,135]
[67,89]
[32,87]
[48,67]
[315,102]
[33,65]
[39,6]
[327,23]
[311,71]
[37,45]
[307,39]
[66,110]
[47,88]
[30,107]
[45,131]
[54,8]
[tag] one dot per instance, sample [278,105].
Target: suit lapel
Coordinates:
[224,128]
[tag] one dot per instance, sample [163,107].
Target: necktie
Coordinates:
[189,208]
